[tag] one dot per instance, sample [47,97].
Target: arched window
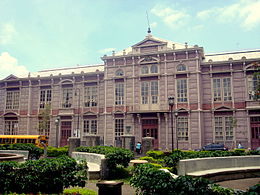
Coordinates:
[181,67]
[144,70]
[119,72]
[154,69]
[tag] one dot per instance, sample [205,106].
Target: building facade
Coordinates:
[128,95]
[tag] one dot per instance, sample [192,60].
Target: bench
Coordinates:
[97,164]
[221,168]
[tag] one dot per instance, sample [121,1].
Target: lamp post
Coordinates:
[57,122]
[176,124]
[171,103]
[77,93]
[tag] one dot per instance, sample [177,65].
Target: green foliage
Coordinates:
[34,151]
[45,175]
[148,179]
[218,190]
[254,190]
[56,152]
[155,154]
[115,156]
[82,191]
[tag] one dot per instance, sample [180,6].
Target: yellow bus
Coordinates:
[33,139]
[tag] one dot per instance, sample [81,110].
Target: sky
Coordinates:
[47,34]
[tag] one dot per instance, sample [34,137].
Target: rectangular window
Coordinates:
[144,92]
[119,93]
[154,92]
[119,127]
[90,127]
[45,97]
[44,127]
[223,128]
[11,127]
[182,90]
[149,92]
[222,89]
[67,98]
[253,83]
[182,128]
[12,100]
[91,97]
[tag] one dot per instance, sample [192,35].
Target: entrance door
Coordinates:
[65,132]
[255,132]
[150,129]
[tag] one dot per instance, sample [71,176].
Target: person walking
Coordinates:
[138,147]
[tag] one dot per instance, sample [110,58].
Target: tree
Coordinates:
[44,120]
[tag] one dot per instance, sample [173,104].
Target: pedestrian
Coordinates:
[138,147]
[240,146]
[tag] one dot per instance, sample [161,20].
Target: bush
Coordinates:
[148,179]
[115,156]
[254,190]
[45,175]
[82,191]
[56,152]
[155,154]
[34,151]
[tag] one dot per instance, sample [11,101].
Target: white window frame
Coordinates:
[90,126]
[222,89]
[223,128]
[11,127]
[252,86]
[149,69]
[91,96]
[150,92]
[12,100]
[119,127]
[45,97]
[183,128]
[67,97]
[119,93]
[182,90]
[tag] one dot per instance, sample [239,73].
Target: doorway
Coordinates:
[65,132]
[150,129]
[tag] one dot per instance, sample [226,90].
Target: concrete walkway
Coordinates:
[241,184]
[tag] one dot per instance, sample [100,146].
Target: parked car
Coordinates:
[214,147]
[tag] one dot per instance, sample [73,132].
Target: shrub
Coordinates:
[148,179]
[82,191]
[45,175]
[56,152]
[254,190]
[34,151]
[155,154]
[115,156]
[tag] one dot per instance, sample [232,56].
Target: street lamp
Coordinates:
[171,103]
[177,136]
[77,93]
[57,122]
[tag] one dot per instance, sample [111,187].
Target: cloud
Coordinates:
[7,33]
[171,17]
[9,65]
[153,25]
[244,12]
[106,50]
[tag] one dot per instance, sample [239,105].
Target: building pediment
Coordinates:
[148,41]
[11,77]
[222,108]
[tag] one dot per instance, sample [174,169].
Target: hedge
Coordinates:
[34,151]
[115,156]
[44,176]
